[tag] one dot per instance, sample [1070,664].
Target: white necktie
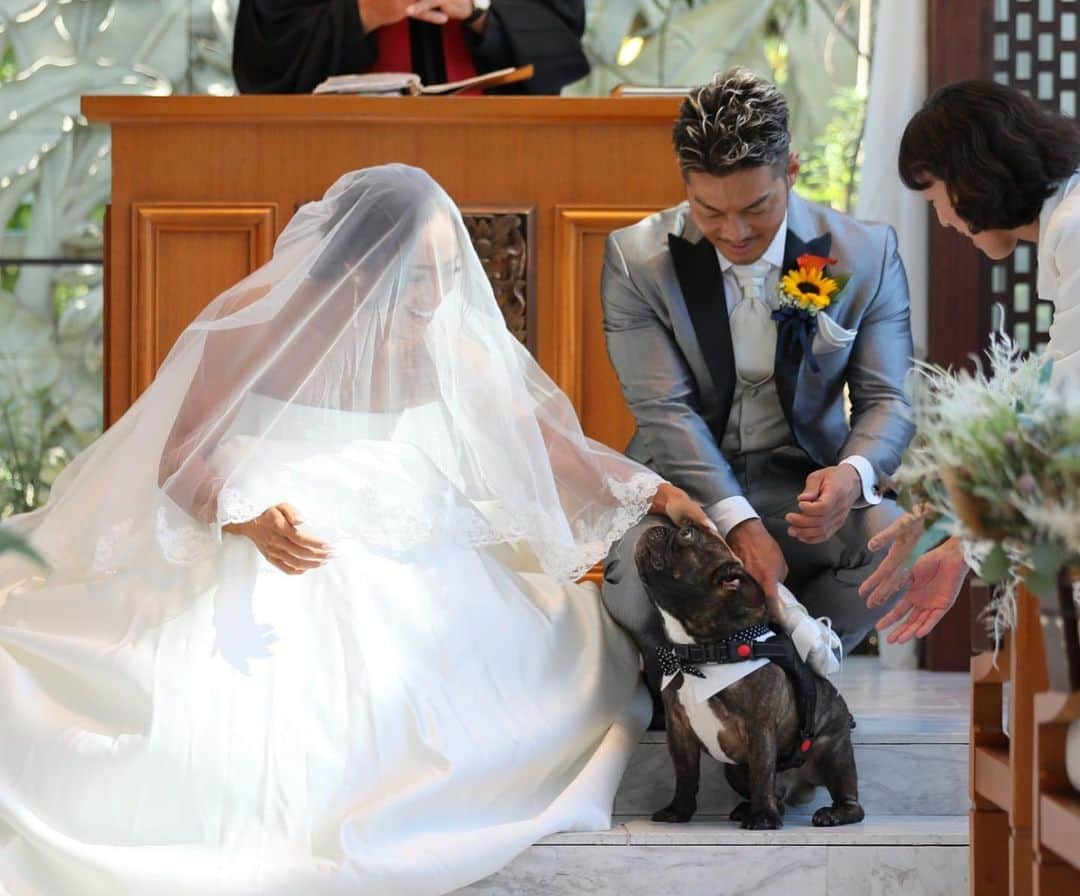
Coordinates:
[753,332]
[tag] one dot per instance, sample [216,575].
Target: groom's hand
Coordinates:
[762,558]
[825,503]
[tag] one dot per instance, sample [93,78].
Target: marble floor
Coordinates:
[905,702]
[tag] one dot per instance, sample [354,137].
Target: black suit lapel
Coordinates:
[789,353]
[702,282]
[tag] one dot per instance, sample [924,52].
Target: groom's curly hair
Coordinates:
[998,152]
[738,120]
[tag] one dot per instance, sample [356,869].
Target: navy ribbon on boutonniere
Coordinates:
[795,325]
[806,289]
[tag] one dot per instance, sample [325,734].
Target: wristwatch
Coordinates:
[479,7]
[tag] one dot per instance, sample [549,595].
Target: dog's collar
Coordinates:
[740,647]
[672,664]
[736,648]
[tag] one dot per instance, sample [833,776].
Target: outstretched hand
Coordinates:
[892,574]
[933,584]
[276,535]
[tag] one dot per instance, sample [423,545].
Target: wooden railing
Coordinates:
[1057,804]
[1025,815]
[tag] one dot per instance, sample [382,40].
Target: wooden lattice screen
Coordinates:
[1035,48]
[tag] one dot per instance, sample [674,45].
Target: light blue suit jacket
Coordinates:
[668,336]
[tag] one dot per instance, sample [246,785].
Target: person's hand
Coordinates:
[825,503]
[762,558]
[934,582]
[380,13]
[275,533]
[672,502]
[439,12]
[892,574]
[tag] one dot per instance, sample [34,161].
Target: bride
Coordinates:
[310,623]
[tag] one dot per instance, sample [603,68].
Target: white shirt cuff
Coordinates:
[727,513]
[870,489]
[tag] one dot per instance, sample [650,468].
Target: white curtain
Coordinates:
[898,86]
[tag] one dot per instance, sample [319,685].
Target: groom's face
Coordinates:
[739,213]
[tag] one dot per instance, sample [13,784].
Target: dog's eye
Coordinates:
[687,535]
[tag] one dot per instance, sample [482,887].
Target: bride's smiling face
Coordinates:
[433,274]
[995,244]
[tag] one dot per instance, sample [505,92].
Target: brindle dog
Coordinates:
[704,594]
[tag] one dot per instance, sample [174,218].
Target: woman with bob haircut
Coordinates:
[999,169]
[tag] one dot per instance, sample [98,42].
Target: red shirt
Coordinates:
[395,50]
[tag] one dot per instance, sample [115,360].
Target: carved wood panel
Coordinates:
[504,239]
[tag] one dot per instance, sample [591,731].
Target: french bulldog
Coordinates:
[704,597]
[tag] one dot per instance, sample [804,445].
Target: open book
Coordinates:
[636,90]
[408,84]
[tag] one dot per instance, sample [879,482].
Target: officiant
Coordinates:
[290,46]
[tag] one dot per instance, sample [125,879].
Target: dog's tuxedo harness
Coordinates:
[745,646]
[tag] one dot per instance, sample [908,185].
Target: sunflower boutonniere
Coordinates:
[806,290]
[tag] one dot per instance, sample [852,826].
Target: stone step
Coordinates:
[885,855]
[911,748]
[904,769]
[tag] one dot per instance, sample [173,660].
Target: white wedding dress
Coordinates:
[179,717]
[382,725]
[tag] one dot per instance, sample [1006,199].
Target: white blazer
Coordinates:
[1059,275]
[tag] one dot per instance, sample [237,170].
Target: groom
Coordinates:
[744,412]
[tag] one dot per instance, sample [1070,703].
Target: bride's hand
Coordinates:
[275,533]
[679,507]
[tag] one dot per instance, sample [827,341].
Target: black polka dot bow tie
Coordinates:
[689,658]
[670,664]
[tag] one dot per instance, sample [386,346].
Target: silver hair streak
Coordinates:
[738,120]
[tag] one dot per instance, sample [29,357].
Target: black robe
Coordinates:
[289,46]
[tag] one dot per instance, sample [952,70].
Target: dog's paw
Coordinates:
[763,820]
[740,811]
[831,816]
[675,814]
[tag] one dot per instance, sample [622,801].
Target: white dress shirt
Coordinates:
[727,513]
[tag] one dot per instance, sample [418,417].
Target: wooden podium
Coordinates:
[202,186]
